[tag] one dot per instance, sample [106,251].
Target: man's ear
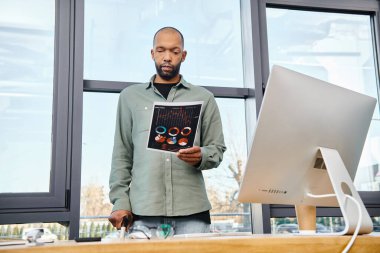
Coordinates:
[184,53]
[152,53]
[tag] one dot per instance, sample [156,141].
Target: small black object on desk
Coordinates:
[88,239]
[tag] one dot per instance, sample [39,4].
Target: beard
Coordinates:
[168,75]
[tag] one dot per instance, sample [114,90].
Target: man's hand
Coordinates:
[116,218]
[192,155]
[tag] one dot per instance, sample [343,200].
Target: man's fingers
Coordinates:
[192,155]
[116,218]
[190,159]
[130,221]
[115,222]
[194,149]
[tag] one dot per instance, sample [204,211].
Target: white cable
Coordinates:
[357,225]
[122,232]
[321,196]
[356,232]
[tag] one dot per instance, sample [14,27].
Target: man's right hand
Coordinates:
[116,218]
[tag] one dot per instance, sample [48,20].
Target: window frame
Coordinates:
[371,199]
[61,204]
[68,108]
[55,196]
[247,92]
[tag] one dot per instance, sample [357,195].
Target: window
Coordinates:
[338,48]
[324,225]
[222,183]
[34,111]
[37,151]
[117,48]
[53,231]
[334,42]
[119,36]
[99,115]
[47,46]
[26,95]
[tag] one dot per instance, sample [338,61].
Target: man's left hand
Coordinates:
[192,155]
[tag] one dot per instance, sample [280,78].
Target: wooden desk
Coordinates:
[220,244]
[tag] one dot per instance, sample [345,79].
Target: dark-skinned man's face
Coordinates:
[168,55]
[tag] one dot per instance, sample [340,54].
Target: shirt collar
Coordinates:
[182,82]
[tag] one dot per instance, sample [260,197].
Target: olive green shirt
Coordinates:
[156,183]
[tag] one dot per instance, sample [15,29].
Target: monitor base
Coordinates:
[343,188]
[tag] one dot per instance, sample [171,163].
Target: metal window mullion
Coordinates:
[338,5]
[375,25]
[117,87]
[76,74]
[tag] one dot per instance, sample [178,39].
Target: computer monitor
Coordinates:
[308,141]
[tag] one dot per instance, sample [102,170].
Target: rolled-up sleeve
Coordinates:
[122,157]
[212,139]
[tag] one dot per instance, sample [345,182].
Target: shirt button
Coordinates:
[167,159]
[146,108]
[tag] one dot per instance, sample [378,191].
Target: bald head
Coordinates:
[169,29]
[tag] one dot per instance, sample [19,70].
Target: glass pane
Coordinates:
[337,48]
[54,231]
[222,186]
[228,214]
[26,94]
[119,36]
[97,227]
[324,225]
[97,144]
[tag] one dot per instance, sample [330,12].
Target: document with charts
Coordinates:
[173,125]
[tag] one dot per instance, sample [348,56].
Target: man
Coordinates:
[151,188]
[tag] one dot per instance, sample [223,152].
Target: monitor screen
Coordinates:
[298,115]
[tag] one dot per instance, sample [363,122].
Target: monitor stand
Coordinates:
[343,185]
[307,219]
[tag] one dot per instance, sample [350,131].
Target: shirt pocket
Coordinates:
[142,118]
